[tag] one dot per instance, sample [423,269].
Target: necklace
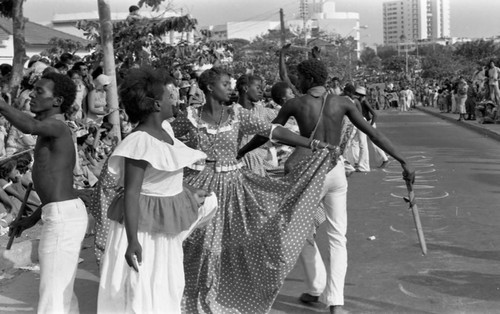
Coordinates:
[214,141]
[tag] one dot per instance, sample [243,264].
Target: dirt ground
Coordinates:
[30,234]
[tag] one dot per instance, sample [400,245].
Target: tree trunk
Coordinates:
[20,57]
[109,64]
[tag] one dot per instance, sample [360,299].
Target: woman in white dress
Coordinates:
[155,212]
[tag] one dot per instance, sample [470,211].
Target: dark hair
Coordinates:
[138,92]
[23,162]
[132,8]
[209,77]
[278,91]
[315,69]
[65,57]
[5,69]
[61,65]
[349,89]
[25,83]
[98,71]
[6,168]
[63,87]
[168,80]
[49,69]
[71,72]
[246,80]
[78,65]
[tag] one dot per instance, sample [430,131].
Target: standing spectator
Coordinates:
[335,88]
[81,93]
[98,108]
[493,75]
[370,115]
[196,97]
[85,86]
[68,59]
[406,98]
[462,89]
[61,67]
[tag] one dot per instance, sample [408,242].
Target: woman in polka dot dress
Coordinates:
[238,262]
[250,94]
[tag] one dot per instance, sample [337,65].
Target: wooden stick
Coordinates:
[20,214]
[416,217]
[13,156]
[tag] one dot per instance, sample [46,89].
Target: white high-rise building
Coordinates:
[440,22]
[412,20]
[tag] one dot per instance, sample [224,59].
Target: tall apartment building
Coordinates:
[411,20]
[440,23]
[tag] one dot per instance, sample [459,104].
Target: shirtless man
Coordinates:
[63,214]
[307,111]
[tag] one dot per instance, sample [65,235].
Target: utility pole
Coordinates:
[282,23]
[109,63]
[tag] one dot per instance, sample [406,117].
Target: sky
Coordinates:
[477,18]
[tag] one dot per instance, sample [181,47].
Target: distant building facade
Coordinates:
[321,15]
[314,15]
[248,30]
[414,20]
[36,37]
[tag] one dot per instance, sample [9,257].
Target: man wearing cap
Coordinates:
[370,115]
[324,114]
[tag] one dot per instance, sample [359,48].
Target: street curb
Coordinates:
[476,128]
[21,254]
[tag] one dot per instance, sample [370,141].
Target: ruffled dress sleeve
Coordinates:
[160,155]
[164,206]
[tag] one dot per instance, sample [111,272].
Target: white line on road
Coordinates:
[445,194]
[16,309]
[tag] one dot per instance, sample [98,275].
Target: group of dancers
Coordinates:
[193,229]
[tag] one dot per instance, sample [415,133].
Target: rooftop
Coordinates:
[35,34]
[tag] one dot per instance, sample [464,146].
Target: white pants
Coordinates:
[380,155]
[329,282]
[159,284]
[357,152]
[64,225]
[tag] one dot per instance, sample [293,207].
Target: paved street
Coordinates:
[458,191]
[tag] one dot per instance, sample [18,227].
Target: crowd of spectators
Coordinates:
[94,135]
[471,98]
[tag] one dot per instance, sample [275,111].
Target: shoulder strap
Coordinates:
[320,116]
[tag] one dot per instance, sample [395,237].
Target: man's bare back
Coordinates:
[306,110]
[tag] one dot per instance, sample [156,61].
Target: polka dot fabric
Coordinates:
[238,262]
[104,192]
[257,160]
